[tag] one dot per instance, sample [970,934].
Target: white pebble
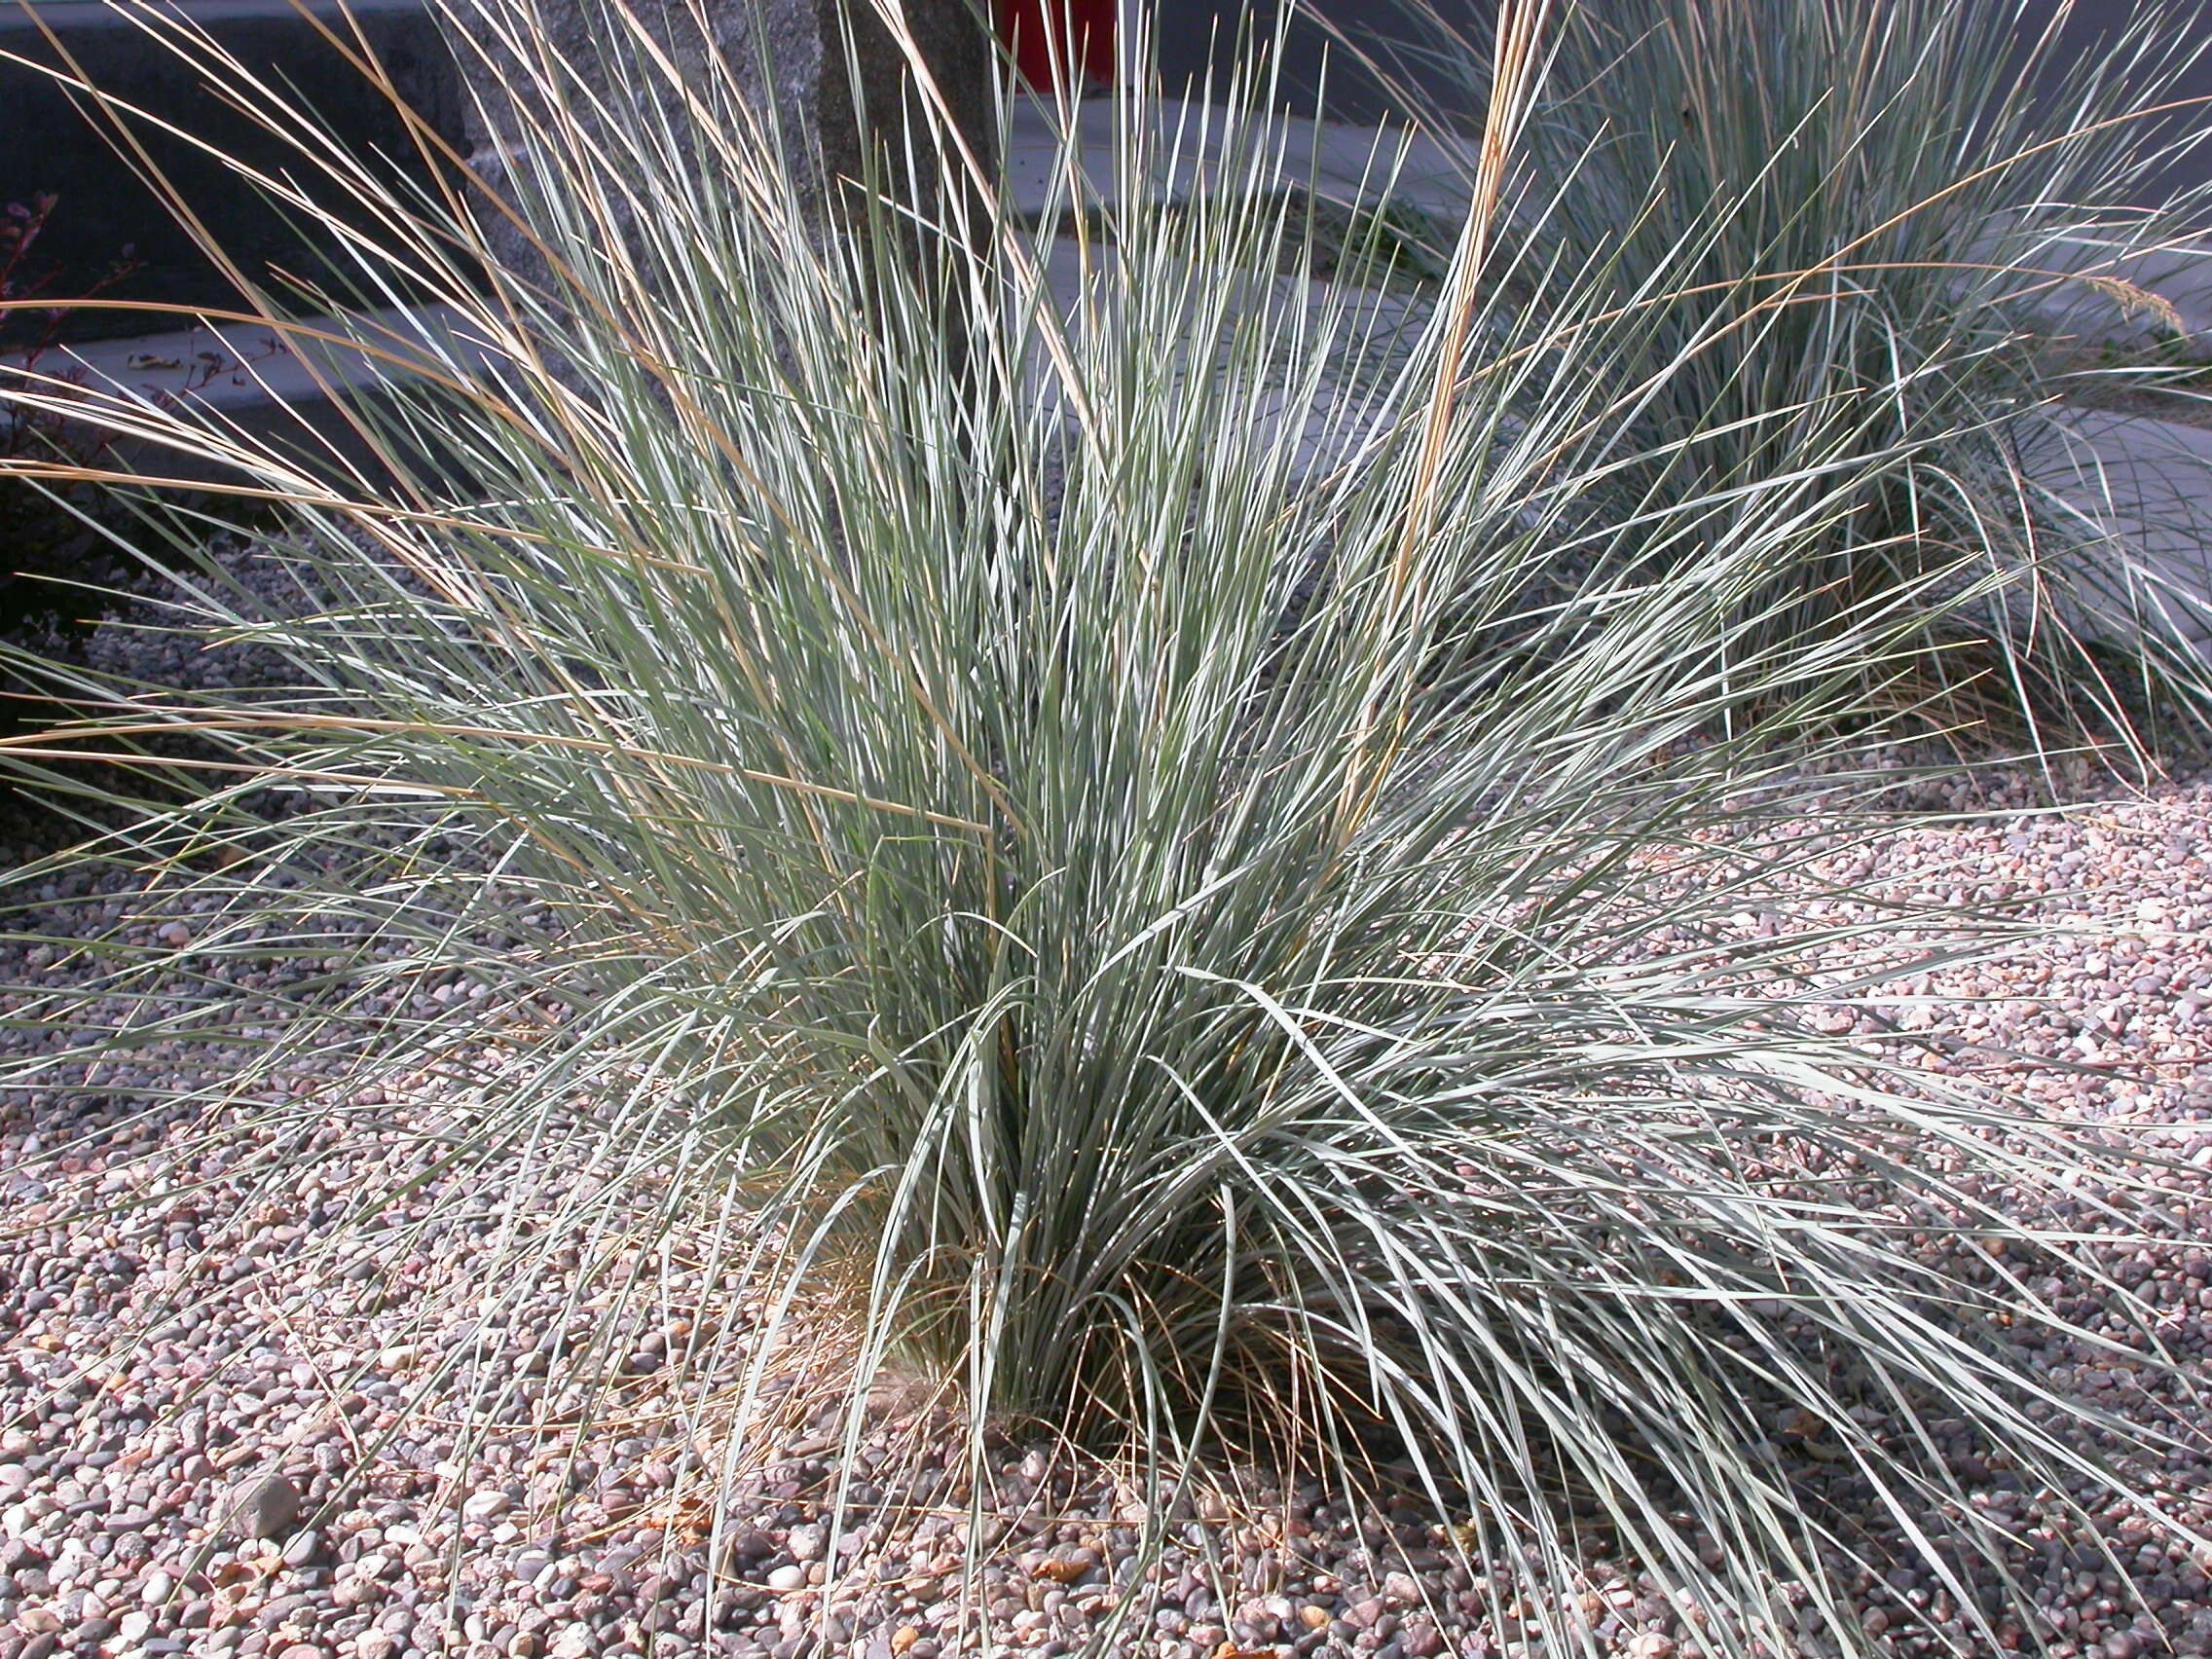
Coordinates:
[486,1507]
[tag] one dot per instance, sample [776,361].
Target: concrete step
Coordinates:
[2137,493]
[259,387]
[262,387]
[247,377]
[1343,162]
[2110,301]
[2140,487]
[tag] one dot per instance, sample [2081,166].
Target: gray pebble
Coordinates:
[264,1506]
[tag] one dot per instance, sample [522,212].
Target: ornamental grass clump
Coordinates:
[1176,895]
[1946,228]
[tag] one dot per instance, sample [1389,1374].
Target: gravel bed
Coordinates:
[229,1426]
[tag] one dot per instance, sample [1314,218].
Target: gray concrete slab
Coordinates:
[1342,161]
[1325,430]
[247,382]
[2109,286]
[2133,494]
[2137,494]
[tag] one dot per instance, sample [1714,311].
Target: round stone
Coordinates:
[265,1507]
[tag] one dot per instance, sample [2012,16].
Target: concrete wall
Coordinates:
[49,145]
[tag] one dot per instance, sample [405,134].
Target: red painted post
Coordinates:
[1038,32]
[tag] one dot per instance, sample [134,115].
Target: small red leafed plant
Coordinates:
[39,535]
[30,331]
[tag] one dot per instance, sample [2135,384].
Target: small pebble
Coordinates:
[264,1508]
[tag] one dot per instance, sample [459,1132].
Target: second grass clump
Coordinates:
[1925,230]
